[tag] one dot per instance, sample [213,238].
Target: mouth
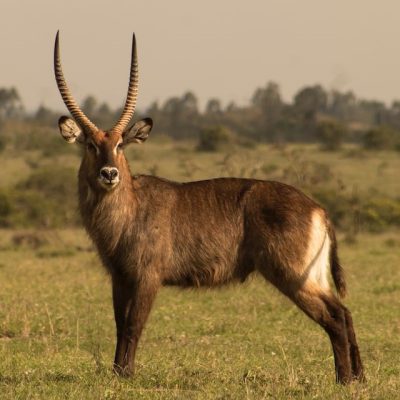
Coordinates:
[108,184]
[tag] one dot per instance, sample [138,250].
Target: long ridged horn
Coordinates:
[69,101]
[131,97]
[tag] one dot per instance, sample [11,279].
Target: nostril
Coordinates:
[113,173]
[105,173]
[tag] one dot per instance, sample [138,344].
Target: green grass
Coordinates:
[240,342]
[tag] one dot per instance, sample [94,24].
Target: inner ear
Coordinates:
[70,130]
[138,132]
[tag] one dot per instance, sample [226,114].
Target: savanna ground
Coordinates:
[241,342]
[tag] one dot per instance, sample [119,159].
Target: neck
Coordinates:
[107,214]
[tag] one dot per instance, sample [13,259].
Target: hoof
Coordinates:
[360,377]
[122,372]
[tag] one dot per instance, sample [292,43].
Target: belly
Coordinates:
[206,275]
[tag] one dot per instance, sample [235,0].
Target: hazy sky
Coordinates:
[217,48]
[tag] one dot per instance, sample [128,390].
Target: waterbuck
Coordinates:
[150,232]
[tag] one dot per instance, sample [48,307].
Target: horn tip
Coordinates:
[134,45]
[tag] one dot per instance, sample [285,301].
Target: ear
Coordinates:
[70,130]
[138,132]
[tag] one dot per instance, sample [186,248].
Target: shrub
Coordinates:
[5,209]
[214,139]
[46,199]
[53,181]
[306,174]
[331,134]
[350,212]
[381,138]
[378,214]
[31,136]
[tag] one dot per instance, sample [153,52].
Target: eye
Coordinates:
[91,147]
[120,146]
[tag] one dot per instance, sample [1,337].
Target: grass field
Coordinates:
[240,342]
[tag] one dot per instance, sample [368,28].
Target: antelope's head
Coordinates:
[103,155]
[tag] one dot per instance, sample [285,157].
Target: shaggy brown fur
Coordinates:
[151,232]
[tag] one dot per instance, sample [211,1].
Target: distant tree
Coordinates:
[46,116]
[10,103]
[310,100]
[153,109]
[343,106]
[270,105]
[172,116]
[395,107]
[267,96]
[171,106]
[89,106]
[181,115]
[213,107]
[308,103]
[375,110]
[231,107]
[161,121]
[381,138]
[189,103]
[331,134]
[394,115]
[104,116]
[104,109]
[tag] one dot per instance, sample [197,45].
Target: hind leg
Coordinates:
[356,363]
[328,312]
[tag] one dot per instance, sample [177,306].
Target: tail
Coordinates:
[337,270]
